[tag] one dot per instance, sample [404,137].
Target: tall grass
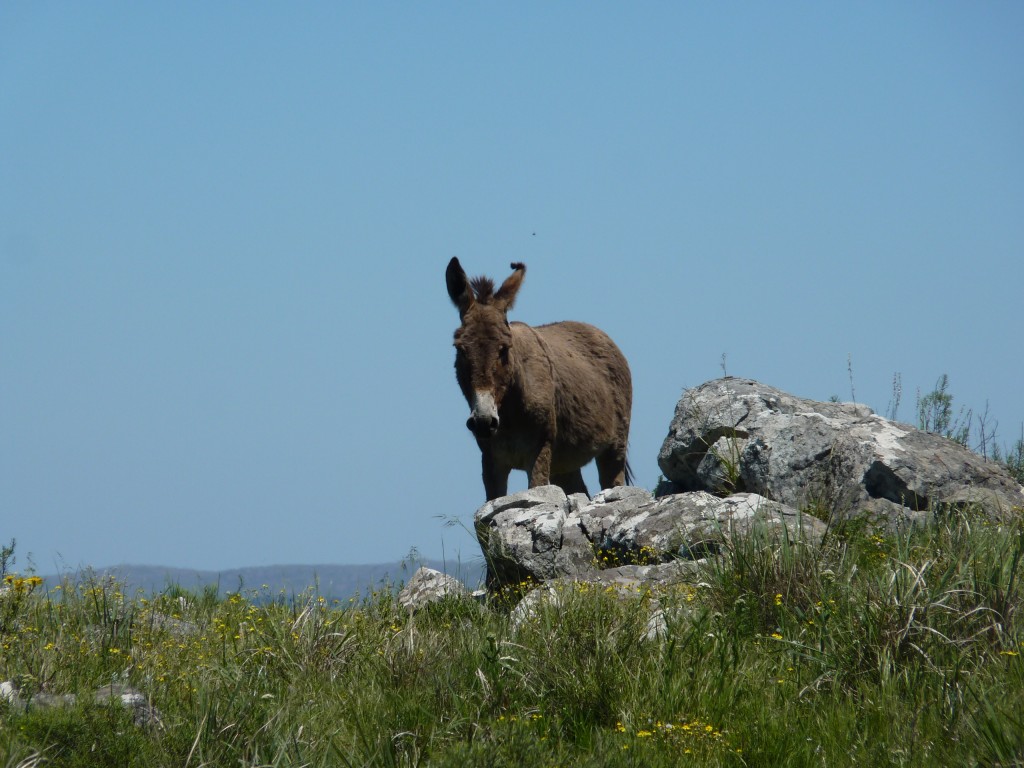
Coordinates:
[901,649]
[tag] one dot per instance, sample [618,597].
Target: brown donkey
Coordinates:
[545,400]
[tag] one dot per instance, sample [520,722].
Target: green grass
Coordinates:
[871,650]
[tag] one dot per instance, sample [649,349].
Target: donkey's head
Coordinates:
[483,344]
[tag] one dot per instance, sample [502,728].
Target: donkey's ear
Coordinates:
[506,295]
[458,286]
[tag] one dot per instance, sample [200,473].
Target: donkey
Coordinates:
[543,399]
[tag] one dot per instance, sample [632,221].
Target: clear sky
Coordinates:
[225,338]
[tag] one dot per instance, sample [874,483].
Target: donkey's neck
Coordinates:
[533,363]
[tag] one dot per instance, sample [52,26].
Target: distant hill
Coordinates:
[334,582]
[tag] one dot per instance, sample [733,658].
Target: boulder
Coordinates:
[623,538]
[525,536]
[630,525]
[740,436]
[429,586]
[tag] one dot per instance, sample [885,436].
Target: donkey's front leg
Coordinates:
[495,476]
[540,472]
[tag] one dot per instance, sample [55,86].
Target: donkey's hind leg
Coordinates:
[570,482]
[612,468]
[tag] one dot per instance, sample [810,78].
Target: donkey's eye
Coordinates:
[503,353]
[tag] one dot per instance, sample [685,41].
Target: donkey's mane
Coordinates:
[483,287]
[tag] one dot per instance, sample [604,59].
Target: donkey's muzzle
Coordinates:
[482,427]
[483,416]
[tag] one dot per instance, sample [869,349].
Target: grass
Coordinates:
[870,650]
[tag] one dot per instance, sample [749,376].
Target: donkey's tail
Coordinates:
[629,473]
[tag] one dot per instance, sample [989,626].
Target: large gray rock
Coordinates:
[631,523]
[736,435]
[623,538]
[527,536]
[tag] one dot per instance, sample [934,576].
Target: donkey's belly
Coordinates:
[569,458]
[521,454]
[512,451]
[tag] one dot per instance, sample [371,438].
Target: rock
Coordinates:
[737,435]
[623,538]
[12,694]
[656,627]
[685,526]
[429,586]
[160,622]
[525,537]
[527,608]
[642,578]
[554,593]
[144,714]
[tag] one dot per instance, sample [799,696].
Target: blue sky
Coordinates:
[224,333]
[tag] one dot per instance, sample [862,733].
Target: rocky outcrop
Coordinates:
[735,435]
[624,537]
[739,455]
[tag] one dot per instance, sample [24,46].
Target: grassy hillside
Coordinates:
[874,650]
[330,581]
